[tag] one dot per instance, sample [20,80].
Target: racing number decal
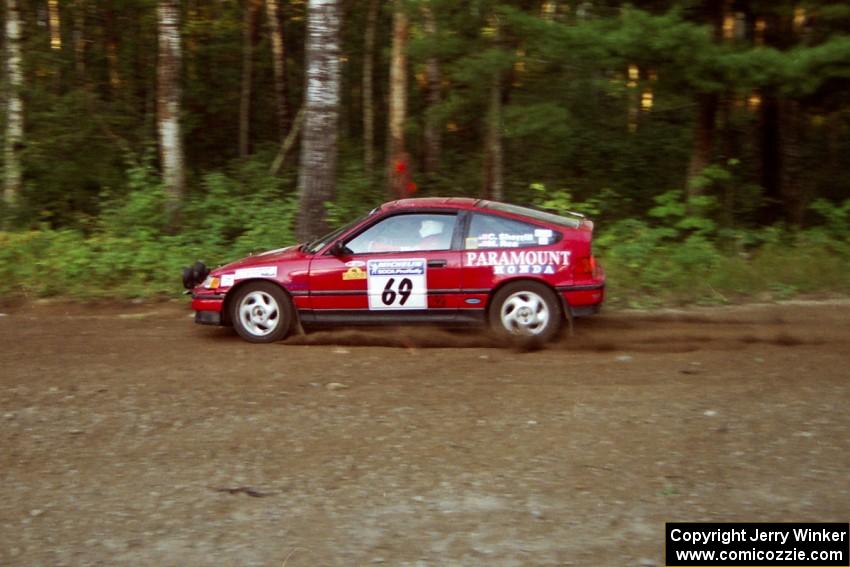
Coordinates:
[388,297]
[397,284]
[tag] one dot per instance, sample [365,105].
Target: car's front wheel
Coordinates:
[262,313]
[525,310]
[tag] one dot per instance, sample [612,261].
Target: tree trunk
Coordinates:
[248,24]
[317,175]
[433,138]
[278,66]
[79,40]
[702,150]
[730,150]
[368,91]
[493,186]
[792,176]
[288,143]
[55,24]
[705,127]
[398,166]
[493,156]
[168,103]
[14,108]
[782,172]
[111,40]
[771,159]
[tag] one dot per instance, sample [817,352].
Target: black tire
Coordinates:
[525,311]
[261,312]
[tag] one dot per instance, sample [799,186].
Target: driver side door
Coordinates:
[402,268]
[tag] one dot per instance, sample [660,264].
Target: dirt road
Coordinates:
[130,436]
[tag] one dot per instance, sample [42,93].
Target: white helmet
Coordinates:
[430,228]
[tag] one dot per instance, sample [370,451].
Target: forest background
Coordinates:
[708,140]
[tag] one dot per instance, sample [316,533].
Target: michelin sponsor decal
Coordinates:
[228,280]
[520,262]
[397,267]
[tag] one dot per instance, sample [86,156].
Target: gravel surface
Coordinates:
[130,436]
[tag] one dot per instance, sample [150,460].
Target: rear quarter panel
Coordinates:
[487,269]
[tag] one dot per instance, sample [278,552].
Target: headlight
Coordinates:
[211,282]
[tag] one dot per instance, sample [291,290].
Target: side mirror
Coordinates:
[339,249]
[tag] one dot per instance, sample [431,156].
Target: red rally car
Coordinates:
[445,261]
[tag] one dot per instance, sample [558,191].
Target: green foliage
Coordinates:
[712,176]
[679,255]
[141,212]
[834,235]
[562,202]
[836,217]
[575,137]
[673,257]
[682,217]
[571,114]
[130,252]
[356,194]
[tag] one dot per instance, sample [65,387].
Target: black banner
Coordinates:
[760,545]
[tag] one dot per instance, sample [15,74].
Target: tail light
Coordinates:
[585,268]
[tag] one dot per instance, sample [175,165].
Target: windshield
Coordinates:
[315,245]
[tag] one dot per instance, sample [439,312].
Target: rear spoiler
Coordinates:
[583,222]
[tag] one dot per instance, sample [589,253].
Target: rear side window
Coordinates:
[490,231]
[543,216]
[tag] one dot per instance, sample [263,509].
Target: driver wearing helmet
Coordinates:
[433,235]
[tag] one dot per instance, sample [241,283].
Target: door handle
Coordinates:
[436,263]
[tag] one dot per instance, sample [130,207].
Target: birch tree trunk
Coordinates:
[278,65]
[368,90]
[317,174]
[398,167]
[248,22]
[168,103]
[14,108]
[433,138]
[55,24]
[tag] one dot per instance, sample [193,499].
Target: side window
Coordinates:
[406,233]
[490,231]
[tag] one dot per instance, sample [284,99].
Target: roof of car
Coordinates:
[432,202]
[569,219]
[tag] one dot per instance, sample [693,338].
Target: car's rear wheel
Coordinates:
[262,313]
[526,311]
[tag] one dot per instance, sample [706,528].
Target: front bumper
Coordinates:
[208,317]
[208,308]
